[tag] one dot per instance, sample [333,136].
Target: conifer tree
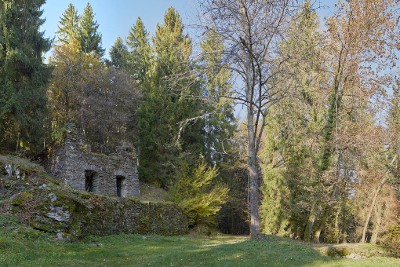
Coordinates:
[89,37]
[119,54]
[295,122]
[23,75]
[169,100]
[220,123]
[68,29]
[139,48]
[73,67]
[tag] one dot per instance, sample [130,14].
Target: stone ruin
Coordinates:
[111,175]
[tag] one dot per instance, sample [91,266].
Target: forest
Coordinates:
[275,121]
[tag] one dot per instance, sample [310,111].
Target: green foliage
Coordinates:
[8,221]
[276,203]
[293,133]
[89,37]
[220,123]
[23,76]
[80,31]
[68,29]
[392,239]
[167,132]
[171,46]
[138,60]
[196,191]
[119,54]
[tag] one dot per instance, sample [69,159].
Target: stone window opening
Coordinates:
[90,178]
[121,186]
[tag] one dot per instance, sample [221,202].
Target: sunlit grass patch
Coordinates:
[139,250]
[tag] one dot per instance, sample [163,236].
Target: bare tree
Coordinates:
[252,31]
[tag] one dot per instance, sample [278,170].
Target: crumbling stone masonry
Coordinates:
[111,175]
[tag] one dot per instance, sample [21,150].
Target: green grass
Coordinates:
[25,247]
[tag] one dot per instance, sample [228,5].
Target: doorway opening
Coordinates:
[90,178]
[120,186]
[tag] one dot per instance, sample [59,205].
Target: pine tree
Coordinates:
[139,48]
[220,123]
[23,75]
[295,126]
[68,29]
[89,37]
[119,54]
[73,68]
[171,46]
[169,101]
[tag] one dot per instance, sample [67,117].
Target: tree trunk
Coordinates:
[377,225]
[337,229]
[253,177]
[310,223]
[321,225]
[371,207]
[251,128]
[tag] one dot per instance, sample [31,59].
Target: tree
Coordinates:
[23,76]
[89,37]
[362,44]
[290,145]
[327,150]
[76,60]
[119,54]
[221,147]
[107,103]
[251,31]
[68,29]
[72,69]
[196,192]
[219,121]
[170,94]
[83,90]
[139,50]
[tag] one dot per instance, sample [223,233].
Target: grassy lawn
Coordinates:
[19,248]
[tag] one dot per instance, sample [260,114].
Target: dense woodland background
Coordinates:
[315,154]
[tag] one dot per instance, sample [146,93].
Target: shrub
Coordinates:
[196,191]
[392,239]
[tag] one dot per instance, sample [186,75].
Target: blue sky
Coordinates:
[117,16]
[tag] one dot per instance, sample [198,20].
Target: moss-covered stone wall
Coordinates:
[45,204]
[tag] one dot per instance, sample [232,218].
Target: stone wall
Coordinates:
[47,204]
[112,175]
[79,215]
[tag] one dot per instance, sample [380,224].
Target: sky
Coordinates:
[116,17]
